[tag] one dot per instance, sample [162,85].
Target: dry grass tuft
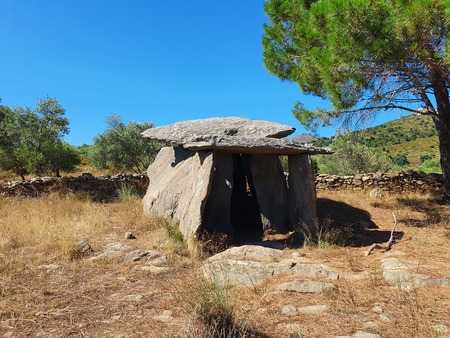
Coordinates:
[216,312]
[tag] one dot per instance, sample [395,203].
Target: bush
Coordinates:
[400,160]
[351,157]
[432,165]
[121,147]
[423,158]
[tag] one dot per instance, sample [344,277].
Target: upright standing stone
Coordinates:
[217,213]
[271,192]
[302,193]
[180,182]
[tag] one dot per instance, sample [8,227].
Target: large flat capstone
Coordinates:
[251,145]
[186,131]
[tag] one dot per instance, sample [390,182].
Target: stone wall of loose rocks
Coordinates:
[105,187]
[405,181]
[102,188]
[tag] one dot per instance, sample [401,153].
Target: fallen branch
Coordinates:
[388,244]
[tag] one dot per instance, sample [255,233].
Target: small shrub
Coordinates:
[126,192]
[215,313]
[176,241]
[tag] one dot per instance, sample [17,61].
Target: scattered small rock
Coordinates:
[155,270]
[82,249]
[42,314]
[440,328]
[303,286]
[386,318]
[112,250]
[50,267]
[134,256]
[129,235]
[157,258]
[289,310]
[359,317]
[375,193]
[133,298]
[165,317]
[313,309]
[377,309]
[117,247]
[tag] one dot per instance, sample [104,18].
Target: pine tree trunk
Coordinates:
[443,129]
[442,123]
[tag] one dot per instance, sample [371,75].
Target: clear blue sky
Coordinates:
[148,60]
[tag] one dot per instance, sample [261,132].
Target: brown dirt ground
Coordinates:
[84,299]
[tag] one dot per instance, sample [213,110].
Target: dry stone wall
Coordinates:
[105,187]
[102,188]
[404,181]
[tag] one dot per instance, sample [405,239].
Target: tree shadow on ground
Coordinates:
[349,226]
[431,209]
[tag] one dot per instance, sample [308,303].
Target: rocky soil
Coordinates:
[123,288]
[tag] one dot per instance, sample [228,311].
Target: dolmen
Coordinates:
[224,175]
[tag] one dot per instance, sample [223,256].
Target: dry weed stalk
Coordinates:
[389,244]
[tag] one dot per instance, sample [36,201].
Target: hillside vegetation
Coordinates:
[413,136]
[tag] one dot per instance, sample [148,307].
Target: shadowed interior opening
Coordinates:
[245,214]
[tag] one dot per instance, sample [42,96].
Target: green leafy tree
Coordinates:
[400,160]
[365,56]
[121,147]
[351,157]
[59,156]
[31,140]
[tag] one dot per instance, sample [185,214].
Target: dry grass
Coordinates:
[85,299]
[44,230]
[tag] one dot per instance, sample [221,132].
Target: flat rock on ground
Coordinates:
[250,266]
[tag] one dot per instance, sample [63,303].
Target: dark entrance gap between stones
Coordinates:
[245,214]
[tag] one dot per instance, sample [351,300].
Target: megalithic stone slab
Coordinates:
[302,193]
[217,213]
[180,182]
[251,145]
[271,192]
[181,132]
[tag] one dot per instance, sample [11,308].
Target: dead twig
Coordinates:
[389,244]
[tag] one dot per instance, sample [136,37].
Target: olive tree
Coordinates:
[121,147]
[31,141]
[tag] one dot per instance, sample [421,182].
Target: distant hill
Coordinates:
[305,138]
[413,135]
